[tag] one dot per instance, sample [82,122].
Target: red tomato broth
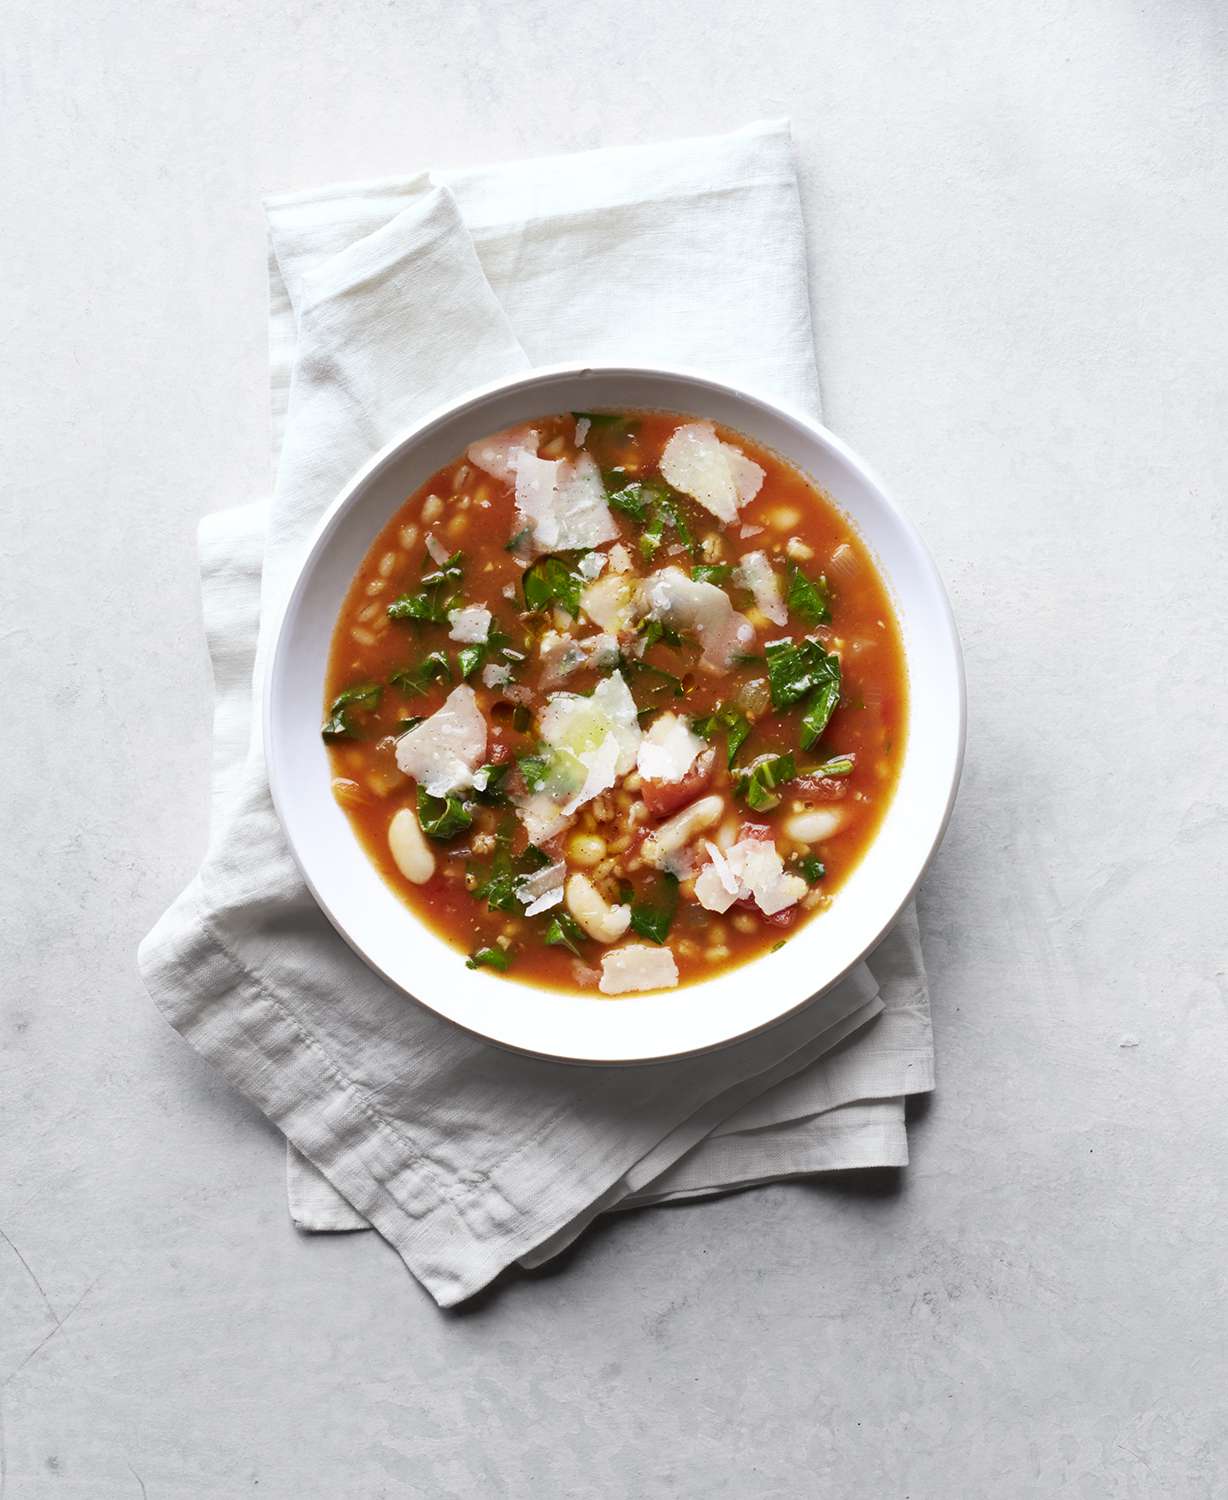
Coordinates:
[475,513]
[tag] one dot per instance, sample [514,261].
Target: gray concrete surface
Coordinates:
[1019,232]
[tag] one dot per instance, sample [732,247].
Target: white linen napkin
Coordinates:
[386,299]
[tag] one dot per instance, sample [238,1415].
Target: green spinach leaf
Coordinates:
[757,784]
[490,958]
[492,792]
[442,818]
[417,680]
[649,685]
[730,719]
[652,912]
[469,659]
[550,581]
[806,598]
[820,708]
[362,698]
[435,597]
[838,765]
[565,932]
[631,499]
[800,668]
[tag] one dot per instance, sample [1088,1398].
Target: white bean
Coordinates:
[815,825]
[408,847]
[432,509]
[587,849]
[603,923]
[682,828]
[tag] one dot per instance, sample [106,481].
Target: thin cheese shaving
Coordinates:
[561,655]
[470,625]
[590,742]
[756,573]
[635,966]
[600,773]
[751,869]
[496,454]
[541,882]
[545,902]
[703,608]
[561,503]
[535,511]
[667,752]
[715,473]
[443,752]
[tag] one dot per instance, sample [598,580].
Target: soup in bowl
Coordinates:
[619,699]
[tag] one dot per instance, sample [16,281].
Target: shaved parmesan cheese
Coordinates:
[721,865]
[600,651]
[745,531]
[620,558]
[544,903]
[591,564]
[589,743]
[561,503]
[582,426]
[756,573]
[541,815]
[668,750]
[535,510]
[439,553]
[443,752]
[637,967]
[599,767]
[577,725]
[711,893]
[610,603]
[674,599]
[540,882]
[494,676]
[562,654]
[757,873]
[718,475]
[496,455]
[580,501]
[470,625]
[748,477]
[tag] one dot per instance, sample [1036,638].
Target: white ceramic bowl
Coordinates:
[578,1028]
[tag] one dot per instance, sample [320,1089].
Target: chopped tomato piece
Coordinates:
[822,788]
[759,831]
[665,797]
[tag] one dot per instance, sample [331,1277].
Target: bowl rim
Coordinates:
[286,609]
